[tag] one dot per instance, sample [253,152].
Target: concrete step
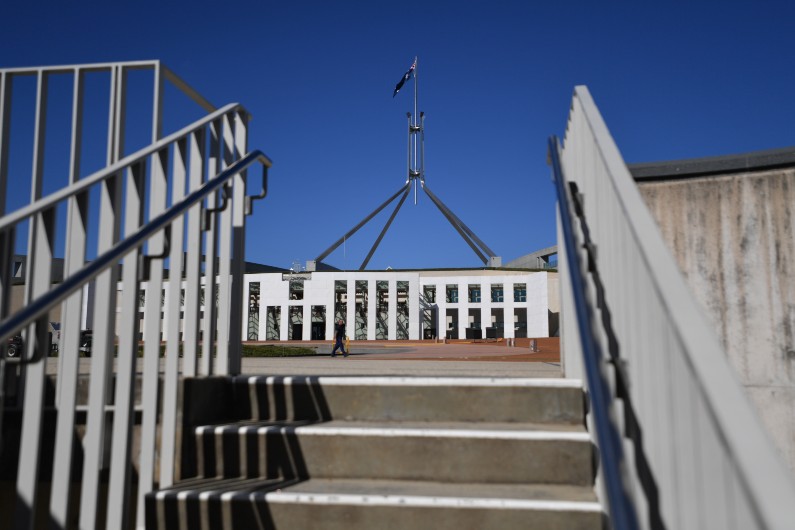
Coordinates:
[458,452]
[352,504]
[409,399]
[382,452]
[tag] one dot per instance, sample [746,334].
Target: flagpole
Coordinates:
[416,90]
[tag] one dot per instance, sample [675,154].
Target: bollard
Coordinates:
[533,345]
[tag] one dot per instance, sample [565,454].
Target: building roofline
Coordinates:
[714,165]
[442,269]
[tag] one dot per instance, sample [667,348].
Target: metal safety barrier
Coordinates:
[680,445]
[172,213]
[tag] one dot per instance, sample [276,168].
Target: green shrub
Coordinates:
[273,350]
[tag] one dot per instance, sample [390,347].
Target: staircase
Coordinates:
[381,452]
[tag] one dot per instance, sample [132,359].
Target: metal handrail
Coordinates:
[707,450]
[622,511]
[43,304]
[103,174]
[102,295]
[177,81]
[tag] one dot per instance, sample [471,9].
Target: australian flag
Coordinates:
[405,77]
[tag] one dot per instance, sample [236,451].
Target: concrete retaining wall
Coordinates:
[733,236]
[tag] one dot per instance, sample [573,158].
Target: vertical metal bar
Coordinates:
[7,237]
[422,149]
[416,124]
[124,414]
[157,104]
[68,351]
[236,320]
[73,244]
[408,149]
[172,326]
[37,281]
[152,309]
[416,105]
[104,323]
[116,503]
[225,234]
[152,318]
[193,259]
[101,358]
[5,128]
[210,252]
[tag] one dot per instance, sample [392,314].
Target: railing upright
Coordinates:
[74,259]
[211,256]
[238,257]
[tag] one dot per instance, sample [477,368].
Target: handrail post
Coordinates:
[210,288]
[225,235]
[236,322]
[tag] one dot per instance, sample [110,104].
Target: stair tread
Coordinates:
[409,428]
[424,381]
[375,491]
[406,488]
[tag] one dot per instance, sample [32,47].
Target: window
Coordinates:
[430,294]
[520,292]
[474,293]
[497,293]
[296,290]
[452,294]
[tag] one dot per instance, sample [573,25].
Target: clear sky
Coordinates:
[673,80]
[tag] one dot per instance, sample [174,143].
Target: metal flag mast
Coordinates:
[416,170]
[416,176]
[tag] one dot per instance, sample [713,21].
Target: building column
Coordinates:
[284,332]
[306,313]
[508,312]
[371,309]
[537,305]
[463,310]
[441,310]
[350,310]
[392,311]
[485,307]
[415,316]
[263,313]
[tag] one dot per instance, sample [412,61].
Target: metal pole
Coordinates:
[361,223]
[459,222]
[383,232]
[414,129]
[422,147]
[408,150]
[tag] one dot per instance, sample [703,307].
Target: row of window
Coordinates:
[429,292]
[474,293]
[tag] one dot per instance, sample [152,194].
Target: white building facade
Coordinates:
[391,305]
[399,305]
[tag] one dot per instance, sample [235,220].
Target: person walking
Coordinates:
[340,335]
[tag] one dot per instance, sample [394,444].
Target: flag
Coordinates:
[405,77]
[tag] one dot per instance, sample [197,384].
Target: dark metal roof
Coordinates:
[715,165]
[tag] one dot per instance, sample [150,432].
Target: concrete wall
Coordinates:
[734,239]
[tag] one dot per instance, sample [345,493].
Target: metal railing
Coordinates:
[192,187]
[694,452]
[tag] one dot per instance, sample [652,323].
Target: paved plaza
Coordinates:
[402,359]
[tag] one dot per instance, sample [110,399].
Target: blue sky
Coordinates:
[673,80]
